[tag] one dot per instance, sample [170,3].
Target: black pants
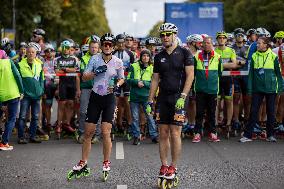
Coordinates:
[257,99]
[205,102]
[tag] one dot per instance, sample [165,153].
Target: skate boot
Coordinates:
[79,137]
[170,178]
[163,171]
[41,134]
[236,127]
[58,131]
[106,169]
[79,170]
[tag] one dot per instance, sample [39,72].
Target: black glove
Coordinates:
[101,69]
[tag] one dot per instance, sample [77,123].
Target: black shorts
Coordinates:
[67,91]
[100,104]
[49,91]
[226,87]
[124,90]
[240,84]
[166,104]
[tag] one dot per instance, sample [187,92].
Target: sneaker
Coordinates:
[171,173]
[136,141]
[271,139]
[163,170]
[35,140]
[245,139]
[196,138]
[106,165]
[5,147]
[213,138]
[22,141]
[155,140]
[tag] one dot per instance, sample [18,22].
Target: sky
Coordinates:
[148,12]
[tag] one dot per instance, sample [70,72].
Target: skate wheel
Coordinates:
[87,172]
[70,175]
[176,181]
[105,176]
[160,180]
[164,184]
[170,183]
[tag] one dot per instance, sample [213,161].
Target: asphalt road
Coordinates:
[227,164]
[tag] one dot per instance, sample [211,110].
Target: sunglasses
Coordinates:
[164,34]
[107,45]
[48,51]
[222,38]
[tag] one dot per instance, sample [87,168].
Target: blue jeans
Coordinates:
[12,114]
[135,107]
[257,99]
[26,103]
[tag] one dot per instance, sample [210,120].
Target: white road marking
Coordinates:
[119,150]
[121,186]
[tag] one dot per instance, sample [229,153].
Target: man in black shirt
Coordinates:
[173,74]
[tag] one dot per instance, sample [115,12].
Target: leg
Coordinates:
[88,134]
[69,109]
[175,143]
[107,144]
[200,107]
[10,124]
[25,106]
[191,111]
[127,109]
[135,119]
[60,112]
[84,100]
[270,109]
[236,106]
[35,110]
[256,102]
[211,108]
[164,145]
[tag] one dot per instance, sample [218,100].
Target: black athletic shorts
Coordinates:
[166,104]
[67,90]
[226,87]
[100,104]
[124,90]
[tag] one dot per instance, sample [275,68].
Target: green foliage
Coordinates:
[81,19]
[154,31]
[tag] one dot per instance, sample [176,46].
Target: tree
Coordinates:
[81,19]
[154,31]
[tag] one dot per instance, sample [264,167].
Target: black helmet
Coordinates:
[120,38]
[151,41]
[108,37]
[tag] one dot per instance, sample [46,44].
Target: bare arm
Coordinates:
[189,71]
[154,86]
[88,76]
[231,65]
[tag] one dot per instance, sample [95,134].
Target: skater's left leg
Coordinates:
[175,141]
[107,144]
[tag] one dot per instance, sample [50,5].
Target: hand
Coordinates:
[180,103]
[101,69]
[149,108]
[140,84]
[78,94]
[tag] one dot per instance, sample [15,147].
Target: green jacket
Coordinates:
[83,65]
[264,74]
[136,73]
[206,78]
[33,78]
[11,85]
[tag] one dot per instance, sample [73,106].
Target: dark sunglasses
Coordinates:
[164,34]
[107,44]
[48,51]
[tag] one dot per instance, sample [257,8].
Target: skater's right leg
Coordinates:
[164,145]
[107,144]
[90,129]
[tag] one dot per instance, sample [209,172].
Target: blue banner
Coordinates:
[191,18]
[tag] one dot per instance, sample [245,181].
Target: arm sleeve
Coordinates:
[278,75]
[91,66]
[18,77]
[130,78]
[188,58]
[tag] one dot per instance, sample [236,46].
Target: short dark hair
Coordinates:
[266,40]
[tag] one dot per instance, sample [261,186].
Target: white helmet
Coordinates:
[85,47]
[34,45]
[194,38]
[168,27]
[48,46]
[262,32]
[230,36]
[4,41]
